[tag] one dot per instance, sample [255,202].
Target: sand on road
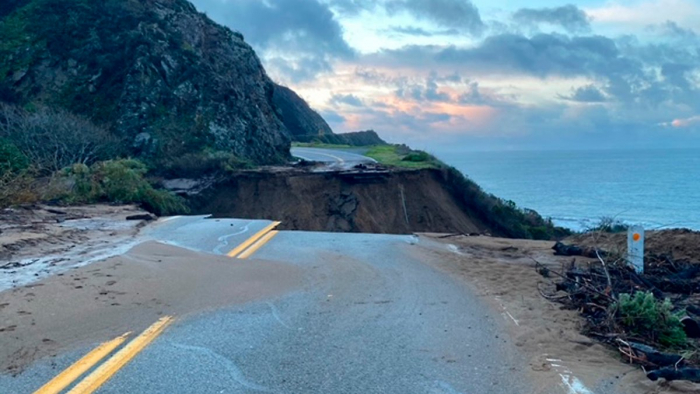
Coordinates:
[100,301]
[502,272]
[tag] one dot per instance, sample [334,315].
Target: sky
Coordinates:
[461,75]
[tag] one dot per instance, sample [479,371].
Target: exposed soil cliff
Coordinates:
[392,202]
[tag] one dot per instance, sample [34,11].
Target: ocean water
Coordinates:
[657,189]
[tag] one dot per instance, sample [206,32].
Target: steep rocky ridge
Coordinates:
[302,122]
[161,76]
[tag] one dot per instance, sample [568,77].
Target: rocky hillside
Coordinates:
[306,125]
[160,76]
[303,123]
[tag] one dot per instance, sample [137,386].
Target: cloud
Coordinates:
[300,38]
[541,55]
[420,32]
[473,94]
[454,14]
[671,29]
[332,117]
[352,7]
[643,13]
[530,80]
[687,122]
[348,99]
[569,17]
[586,94]
[625,71]
[426,92]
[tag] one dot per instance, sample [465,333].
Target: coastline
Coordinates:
[578,188]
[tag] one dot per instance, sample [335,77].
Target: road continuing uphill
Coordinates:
[369,317]
[332,157]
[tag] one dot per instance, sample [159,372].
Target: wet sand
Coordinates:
[127,293]
[39,241]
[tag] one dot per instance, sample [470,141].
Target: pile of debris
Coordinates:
[652,318]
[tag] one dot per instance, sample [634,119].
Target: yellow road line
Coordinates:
[249,252]
[65,378]
[105,371]
[252,239]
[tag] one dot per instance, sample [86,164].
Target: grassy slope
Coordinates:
[392,155]
[389,155]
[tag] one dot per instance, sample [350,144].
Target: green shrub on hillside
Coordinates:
[117,181]
[644,316]
[16,182]
[11,159]
[417,157]
[504,216]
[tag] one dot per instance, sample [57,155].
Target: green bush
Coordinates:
[417,157]
[117,181]
[85,189]
[121,180]
[11,159]
[645,316]
[503,216]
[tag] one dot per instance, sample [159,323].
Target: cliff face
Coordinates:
[159,75]
[303,123]
[400,202]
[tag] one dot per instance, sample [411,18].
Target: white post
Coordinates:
[635,248]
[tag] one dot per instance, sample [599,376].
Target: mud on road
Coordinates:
[36,241]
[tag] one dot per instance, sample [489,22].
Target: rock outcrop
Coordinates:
[306,125]
[159,75]
[303,123]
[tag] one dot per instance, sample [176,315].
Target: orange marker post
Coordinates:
[635,248]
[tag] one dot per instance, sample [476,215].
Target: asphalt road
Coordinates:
[332,157]
[369,318]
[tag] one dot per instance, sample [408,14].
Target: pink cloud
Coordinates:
[687,122]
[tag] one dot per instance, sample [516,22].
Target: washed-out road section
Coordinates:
[368,317]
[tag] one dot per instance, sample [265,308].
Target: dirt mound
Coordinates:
[677,245]
[398,202]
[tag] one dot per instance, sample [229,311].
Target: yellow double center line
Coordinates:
[252,244]
[110,367]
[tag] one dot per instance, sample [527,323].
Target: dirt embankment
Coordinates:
[676,245]
[502,271]
[398,202]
